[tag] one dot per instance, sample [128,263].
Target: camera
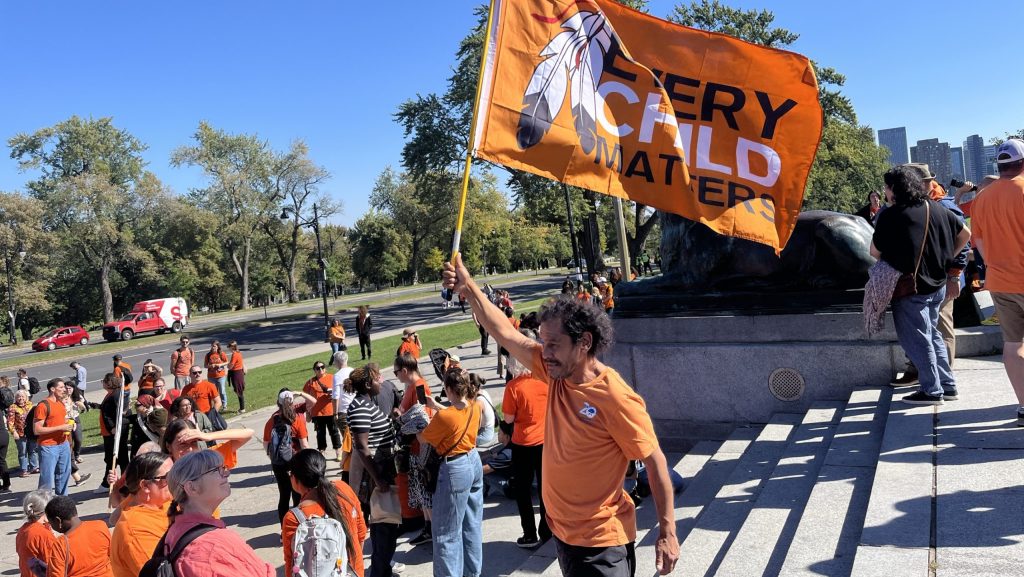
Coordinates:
[955,183]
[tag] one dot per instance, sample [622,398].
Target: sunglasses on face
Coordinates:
[197,372]
[319,368]
[223,470]
[161,480]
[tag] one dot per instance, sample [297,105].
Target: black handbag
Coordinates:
[432,463]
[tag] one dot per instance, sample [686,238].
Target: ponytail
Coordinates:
[330,499]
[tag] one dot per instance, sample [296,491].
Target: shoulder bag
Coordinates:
[906,285]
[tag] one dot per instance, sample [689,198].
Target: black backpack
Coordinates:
[126,374]
[30,422]
[162,564]
[33,386]
[6,398]
[280,448]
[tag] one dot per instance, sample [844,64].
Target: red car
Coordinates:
[62,337]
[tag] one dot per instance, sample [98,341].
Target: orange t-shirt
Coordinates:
[117,371]
[409,397]
[354,523]
[408,348]
[146,381]
[58,416]
[34,541]
[321,390]
[202,394]
[592,429]
[299,430]
[338,334]
[235,364]
[214,362]
[84,552]
[135,537]
[526,399]
[228,453]
[447,426]
[997,219]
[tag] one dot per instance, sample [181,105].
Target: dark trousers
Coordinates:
[323,425]
[5,475]
[108,455]
[383,541]
[484,339]
[76,439]
[525,464]
[364,346]
[285,492]
[577,561]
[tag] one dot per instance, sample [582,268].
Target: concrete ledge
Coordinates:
[978,341]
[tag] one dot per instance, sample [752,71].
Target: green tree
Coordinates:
[242,191]
[434,259]
[31,274]
[377,256]
[94,185]
[338,254]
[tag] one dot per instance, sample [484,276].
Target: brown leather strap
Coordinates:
[927,222]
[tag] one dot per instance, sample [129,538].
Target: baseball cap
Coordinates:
[1010,151]
[285,396]
[117,357]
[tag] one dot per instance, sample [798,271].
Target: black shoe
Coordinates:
[5,490]
[908,378]
[528,542]
[1020,417]
[950,395]
[424,537]
[921,398]
[485,352]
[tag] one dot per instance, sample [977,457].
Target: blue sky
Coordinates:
[332,73]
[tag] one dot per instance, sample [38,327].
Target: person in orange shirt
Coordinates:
[524,407]
[336,336]
[216,363]
[50,422]
[236,374]
[321,387]
[34,538]
[595,423]
[82,548]
[141,525]
[182,437]
[203,393]
[285,415]
[411,344]
[323,498]
[998,221]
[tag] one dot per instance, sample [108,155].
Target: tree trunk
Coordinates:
[413,258]
[242,269]
[108,299]
[643,230]
[590,244]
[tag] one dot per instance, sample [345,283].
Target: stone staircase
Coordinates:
[786,498]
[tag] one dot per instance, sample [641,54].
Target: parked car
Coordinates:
[62,337]
[156,316]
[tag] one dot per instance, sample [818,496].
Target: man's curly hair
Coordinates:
[578,317]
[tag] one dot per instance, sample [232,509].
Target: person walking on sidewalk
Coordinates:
[595,423]
[918,236]
[524,407]
[236,374]
[182,359]
[364,324]
[53,434]
[321,387]
[336,336]
[998,220]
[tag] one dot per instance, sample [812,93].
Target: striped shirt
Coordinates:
[365,417]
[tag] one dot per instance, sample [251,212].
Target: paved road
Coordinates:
[255,340]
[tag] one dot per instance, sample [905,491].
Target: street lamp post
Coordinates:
[315,225]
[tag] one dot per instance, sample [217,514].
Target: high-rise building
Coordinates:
[974,158]
[956,164]
[989,165]
[895,139]
[936,155]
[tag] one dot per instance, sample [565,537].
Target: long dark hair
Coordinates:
[173,428]
[287,408]
[906,185]
[309,468]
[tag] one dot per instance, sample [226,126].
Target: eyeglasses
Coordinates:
[161,480]
[222,469]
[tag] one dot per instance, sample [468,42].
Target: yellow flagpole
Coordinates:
[472,132]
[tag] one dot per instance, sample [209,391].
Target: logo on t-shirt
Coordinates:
[588,411]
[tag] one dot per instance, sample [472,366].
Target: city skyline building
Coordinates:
[956,164]
[895,139]
[974,158]
[936,155]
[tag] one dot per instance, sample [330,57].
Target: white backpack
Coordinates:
[319,547]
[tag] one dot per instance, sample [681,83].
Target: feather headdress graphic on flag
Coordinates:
[696,123]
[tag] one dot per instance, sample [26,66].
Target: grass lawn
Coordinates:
[263,384]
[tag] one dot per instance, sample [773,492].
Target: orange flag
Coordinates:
[597,95]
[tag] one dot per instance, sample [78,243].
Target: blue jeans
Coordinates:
[221,383]
[28,459]
[55,467]
[917,326]
[457,516]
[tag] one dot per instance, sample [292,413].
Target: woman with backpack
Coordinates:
[199,483]
[325,499]
[140,526]
[284,435]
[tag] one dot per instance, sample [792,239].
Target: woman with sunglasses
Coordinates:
[321,387]
[140,526]
[199,483]
[181,438]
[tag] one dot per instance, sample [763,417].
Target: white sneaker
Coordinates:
[397,567]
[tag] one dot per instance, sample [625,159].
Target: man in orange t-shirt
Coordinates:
[204,394]
[411,344]
[81,547]
[321,387]
[997,220]
[53,431]
[595,424]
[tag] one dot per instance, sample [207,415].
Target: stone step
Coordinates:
[704,547]
[897,523]
[826,539]
[760,546]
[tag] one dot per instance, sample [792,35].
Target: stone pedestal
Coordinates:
[703,375]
